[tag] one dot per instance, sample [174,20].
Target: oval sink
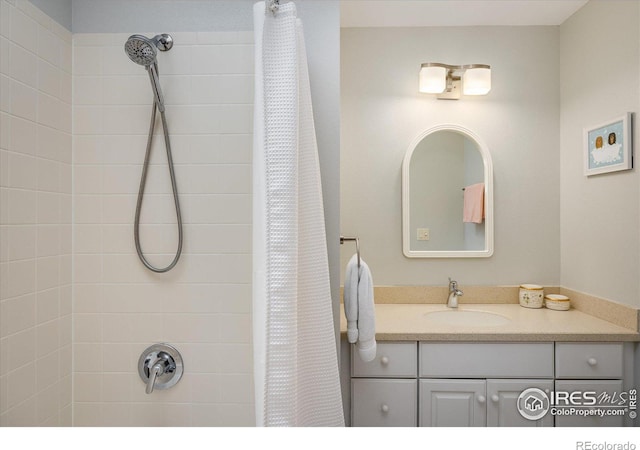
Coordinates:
[466,318]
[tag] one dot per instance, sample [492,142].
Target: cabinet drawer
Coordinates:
[383,403]
[393,359]
[486,360]
[588,360]
[597,386]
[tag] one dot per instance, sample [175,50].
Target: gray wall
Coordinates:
[58,10]
[382,112]
[600,216]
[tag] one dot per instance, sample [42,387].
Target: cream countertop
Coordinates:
[407,322]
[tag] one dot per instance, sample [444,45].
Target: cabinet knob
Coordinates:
[495,398]
[384,361]
[384,408]
[481,399]
[592,361]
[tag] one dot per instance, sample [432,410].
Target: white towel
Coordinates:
[359,308]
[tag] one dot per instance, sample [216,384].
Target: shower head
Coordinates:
[142,50]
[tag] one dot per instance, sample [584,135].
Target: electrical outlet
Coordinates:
[423,234]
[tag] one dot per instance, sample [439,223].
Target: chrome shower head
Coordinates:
[142,50]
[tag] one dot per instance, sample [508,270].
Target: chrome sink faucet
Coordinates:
[454,293]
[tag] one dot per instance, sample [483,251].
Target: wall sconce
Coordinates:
[444,79]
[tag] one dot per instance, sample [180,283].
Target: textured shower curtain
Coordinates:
[295,360]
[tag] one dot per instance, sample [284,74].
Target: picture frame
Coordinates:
[608,146]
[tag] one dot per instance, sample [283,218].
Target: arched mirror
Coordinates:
[447,195]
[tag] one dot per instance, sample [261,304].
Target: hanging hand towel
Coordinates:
[350,299]
[359,308]
[366,315]
[473,210]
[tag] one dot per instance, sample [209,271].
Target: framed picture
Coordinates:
[608,146]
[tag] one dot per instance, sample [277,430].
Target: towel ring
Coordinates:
[357,240]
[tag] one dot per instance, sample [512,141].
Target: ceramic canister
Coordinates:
[531,296]
[557,302]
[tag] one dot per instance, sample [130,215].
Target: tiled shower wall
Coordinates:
[202,306]
[35,218]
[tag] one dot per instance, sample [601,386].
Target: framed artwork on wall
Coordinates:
[608,146]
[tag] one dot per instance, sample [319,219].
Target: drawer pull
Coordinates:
[481,399]
[592,361]
[384,361]
[384,408]
[495,398]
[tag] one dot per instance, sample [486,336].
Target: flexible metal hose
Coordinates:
[174,187]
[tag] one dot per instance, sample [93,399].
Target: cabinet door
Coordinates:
[502,398]
[597,386]
[453,403]
[383,403]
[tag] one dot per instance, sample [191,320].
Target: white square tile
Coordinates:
[21,277]
[49,79]
[87,414]
[47,338]
[47,404]
[87,209]
[87,268]
[48,272]
[87,328]
[48,240]
[23,65]
[49,46]
[22,206]
[87,298]
[88,120]
[18,314]
[23,136]
[24,30]
[49,111]
[21,242]
[46,370]
[88,179]
[87,387]
[87,90]
[87,60]
[24,100]
[47,305]
[21,350]
[88,238]
[87,357]
[48,175]
[49,208]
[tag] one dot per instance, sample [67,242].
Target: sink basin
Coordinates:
[466,318]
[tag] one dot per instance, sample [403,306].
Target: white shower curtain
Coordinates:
[295,359]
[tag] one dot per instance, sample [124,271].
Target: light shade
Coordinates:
[433,79]
[476,81]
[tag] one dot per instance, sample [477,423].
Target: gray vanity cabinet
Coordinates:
[502,397]
[453,403]
[384,392]
[590,367]
[476,384]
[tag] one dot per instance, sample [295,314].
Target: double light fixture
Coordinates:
[444,79]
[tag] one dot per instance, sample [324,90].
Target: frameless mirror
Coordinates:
[447,195]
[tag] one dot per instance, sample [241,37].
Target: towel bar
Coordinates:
[357,240]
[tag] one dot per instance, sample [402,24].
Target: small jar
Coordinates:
[557,302]
[531,296]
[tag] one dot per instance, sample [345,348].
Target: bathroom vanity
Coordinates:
[450,374]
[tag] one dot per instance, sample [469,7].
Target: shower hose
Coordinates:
[143,180]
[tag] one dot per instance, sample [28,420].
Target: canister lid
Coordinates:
[557,297]
[531,287]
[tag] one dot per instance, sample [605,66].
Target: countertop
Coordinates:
[407,322]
